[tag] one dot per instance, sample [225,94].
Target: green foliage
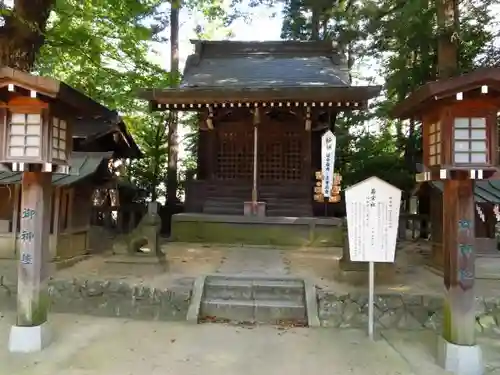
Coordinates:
[402,37]
[150,171]
[101,47]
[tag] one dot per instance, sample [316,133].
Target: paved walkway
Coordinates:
[254,262]
[95,346]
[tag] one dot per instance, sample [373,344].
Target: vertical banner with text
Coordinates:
[328,144]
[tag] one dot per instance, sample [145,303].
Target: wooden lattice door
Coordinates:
[280,156]
[234,151]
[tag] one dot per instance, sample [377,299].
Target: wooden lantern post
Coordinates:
[459,123]
[35,139]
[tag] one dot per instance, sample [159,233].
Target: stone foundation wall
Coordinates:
[267,231]
[112,299]
[400,312]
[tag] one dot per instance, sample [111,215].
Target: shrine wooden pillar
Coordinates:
[459,320]
[32,289]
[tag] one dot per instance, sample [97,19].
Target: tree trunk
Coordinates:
[23,33]
[448,24]
[315,23]
[173,147]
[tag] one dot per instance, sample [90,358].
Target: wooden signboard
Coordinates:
[372,225]
[372,220]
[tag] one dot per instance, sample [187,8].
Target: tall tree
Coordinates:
[173,143]
[103,48]
[448,26]
[22,32]
[148,172]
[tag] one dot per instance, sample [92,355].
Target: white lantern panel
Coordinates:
[32,151]
[17,129]
[55,153]
[478,134]
[55,142]
[18,118]
[33,129]
[62,125]
[62,134]
[461,122]
[32,140]
[461,157]
[478,146]
[55,121]
[62,155]
[479,157]
[461,134]
[478,122]
[461,146]
[34,118]
[16,151]
[17,140]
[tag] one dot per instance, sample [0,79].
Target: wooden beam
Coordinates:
[256,122]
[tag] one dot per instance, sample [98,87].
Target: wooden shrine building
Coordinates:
[262,108]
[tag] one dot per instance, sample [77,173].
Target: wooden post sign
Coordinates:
[372,208]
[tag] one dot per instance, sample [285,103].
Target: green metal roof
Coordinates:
[486,191]
[82,165]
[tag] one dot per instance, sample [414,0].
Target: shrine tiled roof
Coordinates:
[486,191]
[265,64]
[82,165]
[96,127]
[272,71]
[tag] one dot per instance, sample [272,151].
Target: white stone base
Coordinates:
[29,339]
[460,359]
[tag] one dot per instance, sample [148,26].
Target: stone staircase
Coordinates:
[257,299]
[288,199]
[223,206]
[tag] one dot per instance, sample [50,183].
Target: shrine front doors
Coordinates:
[283,151]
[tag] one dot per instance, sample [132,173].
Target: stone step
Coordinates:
[286,196]
[258,311]
[223,204]
[259,289]
[223,210]
[289,212]
[225,199]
